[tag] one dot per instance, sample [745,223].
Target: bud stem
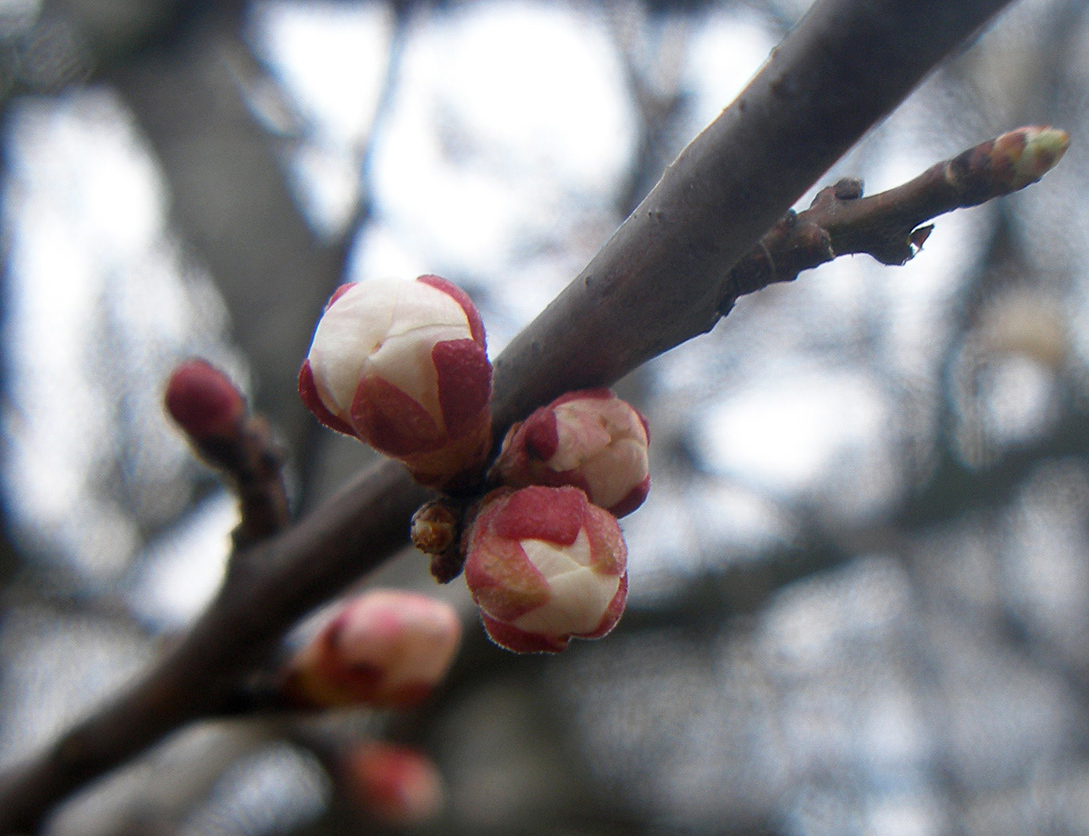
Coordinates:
[891,226]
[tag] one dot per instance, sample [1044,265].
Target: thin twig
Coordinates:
[893,225]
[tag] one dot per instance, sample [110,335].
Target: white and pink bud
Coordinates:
[397,785]
[545,565]
[385,649]
[591,440]
[403,367]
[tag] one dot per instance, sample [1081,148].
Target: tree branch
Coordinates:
[662,277]
[890,226]
[659,281]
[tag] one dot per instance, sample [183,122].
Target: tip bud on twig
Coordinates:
[224,434]
[1007,163]
[204,402]
[545,565]
[1033,152]
[386,649]
[403,366]
[589,439]
[397,785]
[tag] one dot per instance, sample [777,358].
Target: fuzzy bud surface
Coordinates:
[545,565]
[589,439]
[403,367]
[386,649]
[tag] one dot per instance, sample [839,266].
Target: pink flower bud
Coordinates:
[403,366]
[590,439]
[204,402]
[397,785]
[1022,156]
[386,649]
[545,565]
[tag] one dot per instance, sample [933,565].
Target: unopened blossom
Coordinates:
[1022,156]
[545,565]
[1004,164]
[589,439]
[386,649]
[403,366]
[204,402]
[397,785]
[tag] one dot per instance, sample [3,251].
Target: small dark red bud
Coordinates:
[203,401]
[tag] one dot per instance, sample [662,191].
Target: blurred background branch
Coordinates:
[872,621]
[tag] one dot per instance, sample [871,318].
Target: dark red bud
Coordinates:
[203,401]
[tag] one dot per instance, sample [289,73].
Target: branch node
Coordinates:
[848,188]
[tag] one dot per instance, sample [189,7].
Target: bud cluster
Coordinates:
[545,558]
[384,649]
[403,367]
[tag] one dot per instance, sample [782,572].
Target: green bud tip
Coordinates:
[1034,151]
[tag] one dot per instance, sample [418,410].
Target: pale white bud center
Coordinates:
[386,327]
[580,595]
[613,474]
[582,433]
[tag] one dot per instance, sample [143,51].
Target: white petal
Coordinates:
[421,305]
[405,361]
[580,434]
[615,471]
[580,596]
[394,324]
[346,336]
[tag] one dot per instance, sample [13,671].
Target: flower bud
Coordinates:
[386,649]
[1005,164]
[403,367]
[545,565]
[436,531]
[590,439]
[204,402]
[397,785]
[1024,155]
